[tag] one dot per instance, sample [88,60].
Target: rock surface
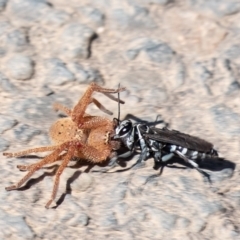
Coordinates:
[178,59]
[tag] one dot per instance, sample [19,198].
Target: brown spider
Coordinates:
[78,136]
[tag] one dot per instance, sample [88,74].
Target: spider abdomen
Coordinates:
[65,129]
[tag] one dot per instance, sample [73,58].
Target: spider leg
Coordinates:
[29,166]
[65,162]
[79,110]
[68,112]
[48,159]
[94,155]
[91,122]
[114,98]
[58,106]
[100,106]
[32,150]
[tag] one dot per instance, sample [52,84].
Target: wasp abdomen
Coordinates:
[189,153]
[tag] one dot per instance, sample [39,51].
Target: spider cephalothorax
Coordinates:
[78,136]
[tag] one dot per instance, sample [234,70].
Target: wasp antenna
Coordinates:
[118,104]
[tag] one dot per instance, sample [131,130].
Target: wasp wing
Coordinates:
[180,139]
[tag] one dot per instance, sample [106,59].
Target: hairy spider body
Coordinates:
[78,136]
[65,130]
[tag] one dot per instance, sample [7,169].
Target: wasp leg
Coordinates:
[163,164]
[143,157]
[124,155]
[193,164]
[167,157]
[114,160]
[139,120]
[144,150]
[158,159]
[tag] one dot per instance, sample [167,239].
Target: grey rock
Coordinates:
[134,229]
[203,72]
[3,4]
[101,3]
[183,222]
[93,15]
[187,183]
[217,76]
[139,18]
[24,132]
[159,92]
[132,53]
[136,192]
[2,52]
[43,139]
[55,18]
[234,196]
[6,85]
[121,209]
[6,123]
[226,120]
[140,216]
[14,226]
[107,219]
[85,75]
[159,52]
[220,8]
[233,69]
[34,110]
[230,229]
[67,216]
[180,74]
[82,183]
[26,12]
[17,40]
[4,27]
[166,220]
[57,72]
[4,144]
[233,52]
[92,75]
[155,50]
[12,39]
[116,194]
[198,225]
[233,88]
[120,18]
[203,205]
[46,90]
[20,67]
[119,191]
[74,41]
[160,2]
[81,219]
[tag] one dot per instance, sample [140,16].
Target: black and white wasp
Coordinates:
[161,143]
